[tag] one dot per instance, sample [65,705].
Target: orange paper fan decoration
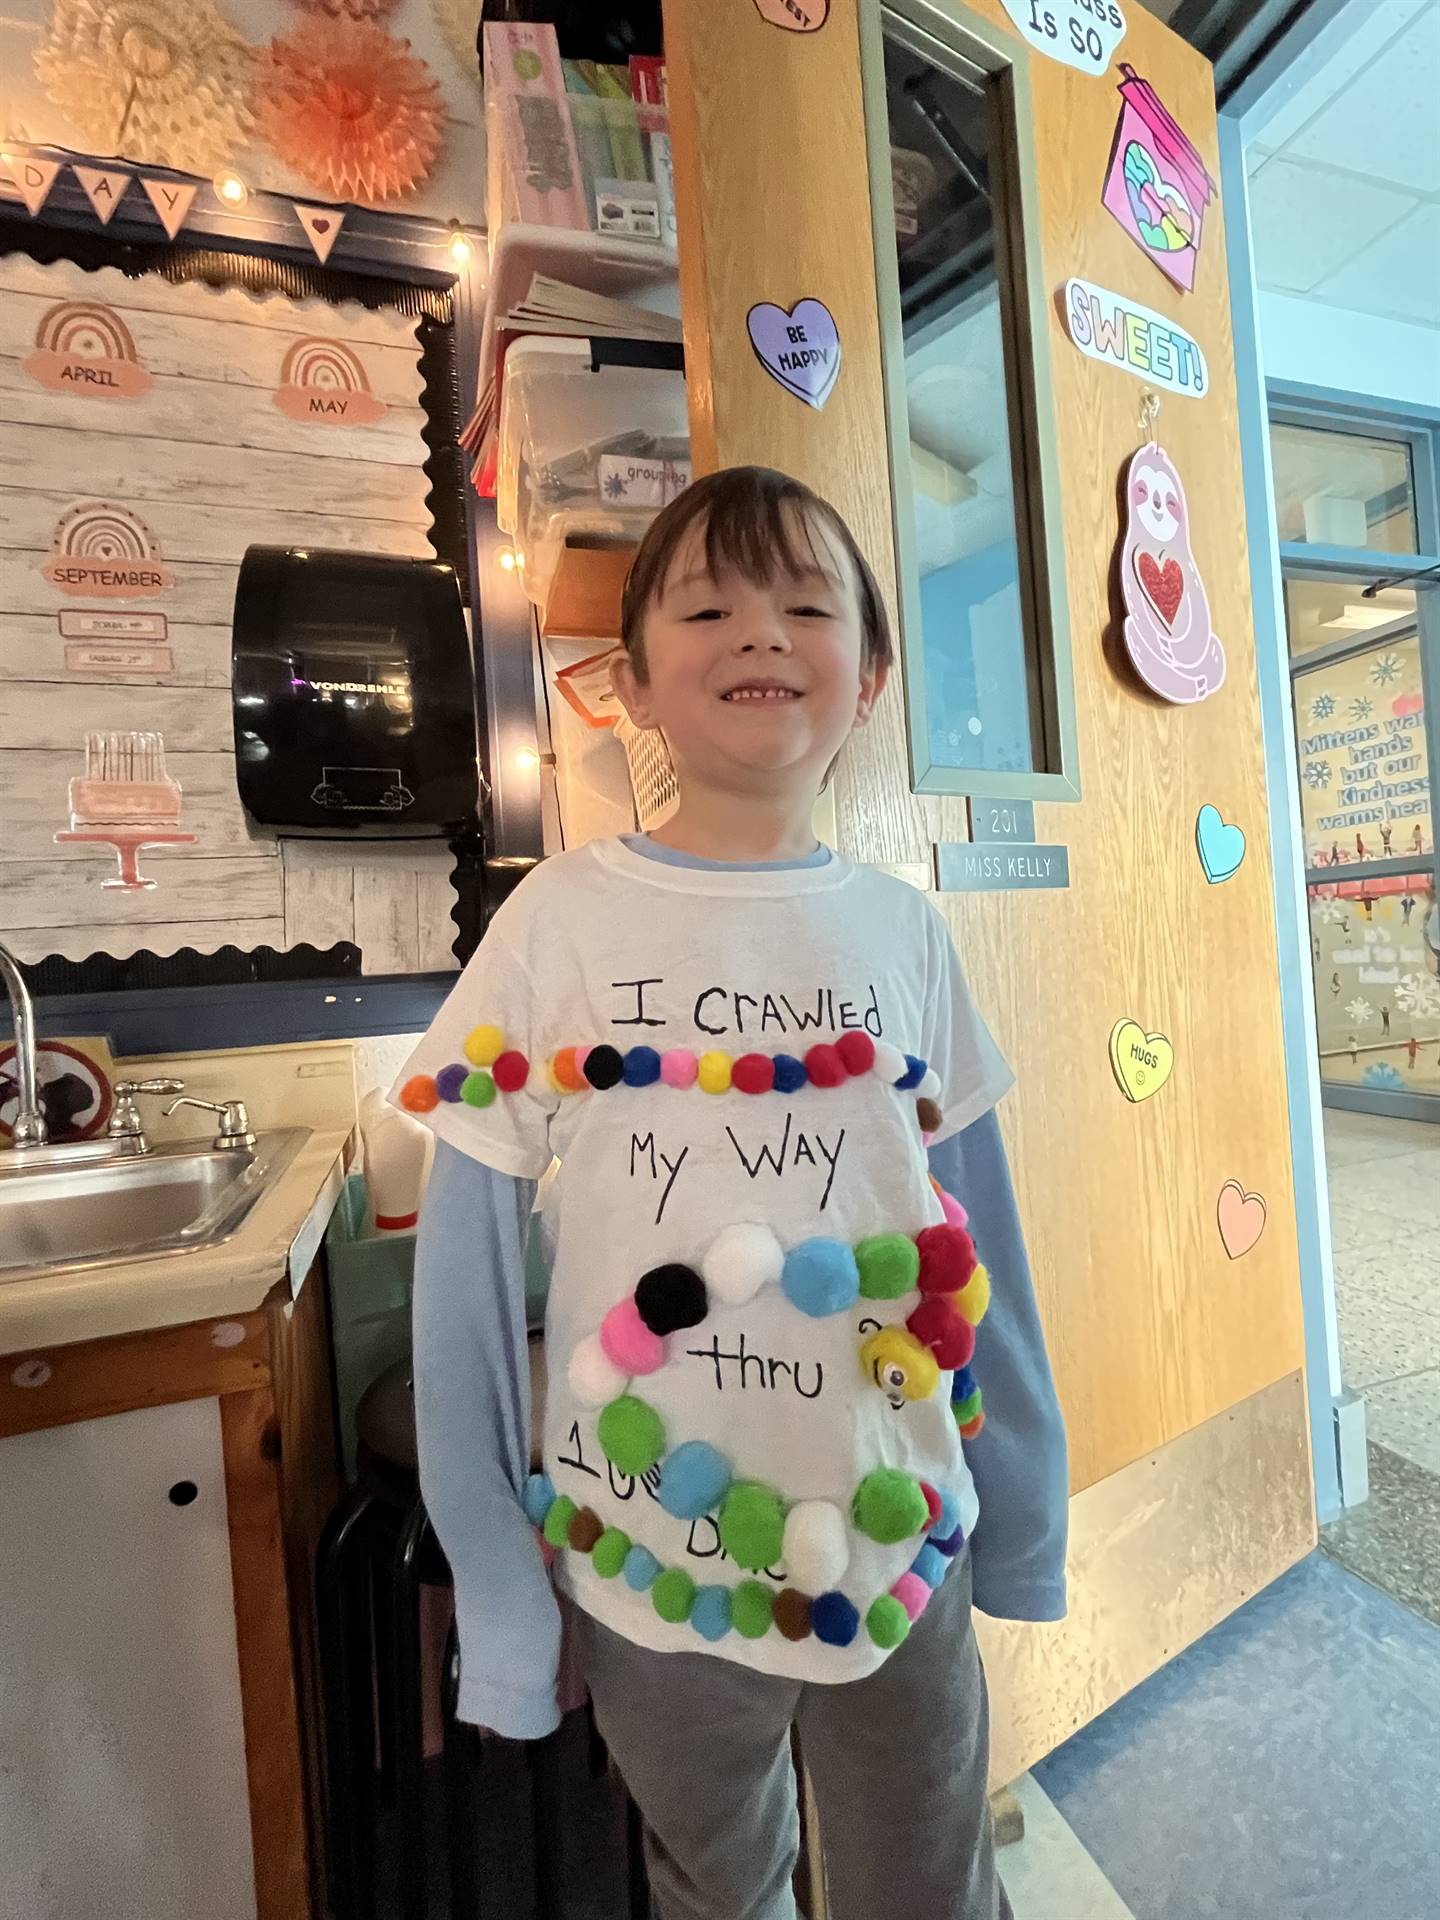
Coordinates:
[350,108]
[350,9]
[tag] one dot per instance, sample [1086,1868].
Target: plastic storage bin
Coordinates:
[586,453]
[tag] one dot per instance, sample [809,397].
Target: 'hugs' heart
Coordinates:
[1164,586]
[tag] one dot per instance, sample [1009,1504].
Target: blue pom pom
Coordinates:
[642,1067]
[950,1545]
[693,1479]
[930,1565]
[641,1569]
[790,1074]
[820,1277]
[538,1498]
[949,1515]
[834,1619]
[964,1383]
[710,1615]
[914,1073]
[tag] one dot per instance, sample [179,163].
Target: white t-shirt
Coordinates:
[725,979]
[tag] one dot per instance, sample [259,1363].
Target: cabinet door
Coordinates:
[124,1792]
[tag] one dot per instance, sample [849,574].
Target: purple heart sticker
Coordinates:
[800,349]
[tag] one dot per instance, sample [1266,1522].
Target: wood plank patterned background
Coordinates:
[212,465]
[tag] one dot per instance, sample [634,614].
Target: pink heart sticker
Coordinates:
[320,226]
[1241,1218]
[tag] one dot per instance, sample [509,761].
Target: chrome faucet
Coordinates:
[29,1129]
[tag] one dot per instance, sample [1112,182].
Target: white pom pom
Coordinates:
[929,1087]
[889,1062]
[740,1260]
[595,1380]
[817,1550]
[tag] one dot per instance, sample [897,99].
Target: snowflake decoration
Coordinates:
[1332,913]
[1382,1074]
[1359,1012]
[1322,706]
[1418,994]
[1386,670]
[1317,775]
[1362,708]
[615,487]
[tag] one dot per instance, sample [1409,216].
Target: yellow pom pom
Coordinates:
[974,1297]
[715,1072]
[484,1046]
[894,1360]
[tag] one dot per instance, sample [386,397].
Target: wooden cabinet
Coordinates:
[161,1495]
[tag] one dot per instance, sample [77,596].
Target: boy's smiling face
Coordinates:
[754,685]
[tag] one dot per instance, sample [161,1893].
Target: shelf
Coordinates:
[584,598]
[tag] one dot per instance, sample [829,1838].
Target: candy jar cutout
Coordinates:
[1167,612]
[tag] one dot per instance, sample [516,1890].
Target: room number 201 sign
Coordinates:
[1081,33]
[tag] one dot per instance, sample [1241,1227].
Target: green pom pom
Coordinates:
[673,1595]
[887,1620]
[610,1551]
[632,1435]
[889,1265]
[966,1410]
[889,1506]
[557,1521]
[477,1090]
[752,1608]
[752,1525]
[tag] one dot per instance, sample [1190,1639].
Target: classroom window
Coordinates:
[1340,489]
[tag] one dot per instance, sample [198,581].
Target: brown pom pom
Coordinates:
[792,1614]
[929,1116]
[584,1530]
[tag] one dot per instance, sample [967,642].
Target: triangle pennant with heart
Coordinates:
[104,189]
[33,180]
[171,200]
[322,227]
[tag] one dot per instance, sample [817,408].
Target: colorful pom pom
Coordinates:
[973,1427]
[584,1530]
[790,1075]
[899,1363]
[602,1067]
[714,1072]
[929,1087]
[739,1261]
[484,1046]
[856,1051]
[753,1073]
[890,1062]
[565,1076]
[950,1545]
[641,1569]
[694,1479]
[557,1520]
[538,1497]
[449,1080]
[913,1594]
[933,1506]
[914,1073]
[930,1565]
[609,1552]
[947,1258]
[594,1377]
[679,1067]
[888,1506]
[752,1608]
[887,1621]
[889,1265]
[820,1277]
[478,1089]
[817,1550]
[510,1072]
[710,1615]
[792,1614]
[955,1214]
[967,1409]
[752,1525]
[824,1066]
[673,1595]
[948,1334]
[929,1116]
[835,1619]
[671,1298]
[631,1435]
[964,1384]
[974,1297]
[642,1067]
[419,1095]
[628,1342]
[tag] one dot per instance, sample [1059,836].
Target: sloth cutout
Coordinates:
[1167,613]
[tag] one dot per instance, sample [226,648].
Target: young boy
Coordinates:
[760,1331]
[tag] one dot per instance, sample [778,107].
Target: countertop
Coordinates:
[279,1237]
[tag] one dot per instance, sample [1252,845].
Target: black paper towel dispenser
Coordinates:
[353,696]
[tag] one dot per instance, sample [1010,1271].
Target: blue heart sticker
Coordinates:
[1221,847]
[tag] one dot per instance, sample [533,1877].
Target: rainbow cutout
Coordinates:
[324,381]
[83,347]
[101,548]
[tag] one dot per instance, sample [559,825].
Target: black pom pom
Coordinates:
[603,1067]
[671,1297]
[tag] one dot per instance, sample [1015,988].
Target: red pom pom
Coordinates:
[857,1051]
[510,1072]
[947,1333]
[933,1502]
[824,1066]
[947,1259]
[753,1073]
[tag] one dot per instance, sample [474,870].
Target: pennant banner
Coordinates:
[322,228]
[33,180]
[102,188]
[171,200]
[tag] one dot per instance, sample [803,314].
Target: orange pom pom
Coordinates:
[420,1094]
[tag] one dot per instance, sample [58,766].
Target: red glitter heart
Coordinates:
[1164,586]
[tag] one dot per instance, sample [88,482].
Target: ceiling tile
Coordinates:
[1397,274]
[1325,66]
[1382,123]
[1306,222]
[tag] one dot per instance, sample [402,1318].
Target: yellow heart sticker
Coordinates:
[1142,1061]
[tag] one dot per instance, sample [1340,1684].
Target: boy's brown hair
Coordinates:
[759,522]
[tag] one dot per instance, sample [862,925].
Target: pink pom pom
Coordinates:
[580,1053]
[955,1214]
[547,1552]
[679,1067]
[913,1594]
[628,1342]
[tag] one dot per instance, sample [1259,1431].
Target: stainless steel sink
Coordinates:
[80,1206]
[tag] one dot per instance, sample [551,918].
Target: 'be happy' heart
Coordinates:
[1164,586]
[800,349]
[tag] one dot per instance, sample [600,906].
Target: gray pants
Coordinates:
[897,1760]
